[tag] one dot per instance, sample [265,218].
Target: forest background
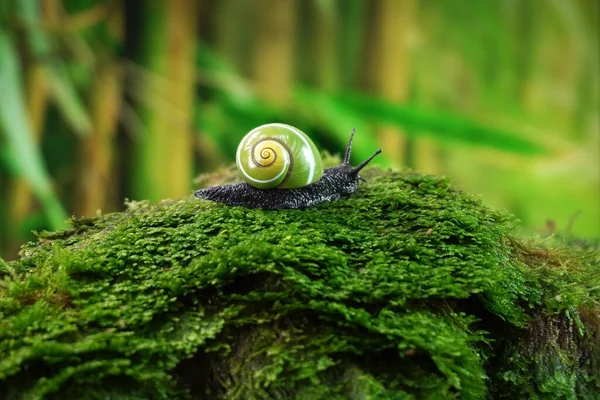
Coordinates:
[102,101]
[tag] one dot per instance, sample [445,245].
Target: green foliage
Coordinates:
[23,155]
[444,127]
[62,85]
[407,289]
[237,109]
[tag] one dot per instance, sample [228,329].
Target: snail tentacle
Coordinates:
[363,164]
[349,147]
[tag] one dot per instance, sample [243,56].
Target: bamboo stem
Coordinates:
[96,149]
[181,70]
[389,64]
[324,46]
[162,164]
[231,32]
[273,62]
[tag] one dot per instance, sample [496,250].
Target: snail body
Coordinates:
[283,169]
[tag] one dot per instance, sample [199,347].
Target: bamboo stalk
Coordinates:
[181,70]
[96,149]
[273,61]
[96,178]
[389,64]
[231,31]
[352,31]
[324,46]
[427,156]
[162,165]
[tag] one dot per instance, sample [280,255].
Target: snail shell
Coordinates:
[278,156]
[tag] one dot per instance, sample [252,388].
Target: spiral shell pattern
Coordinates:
[278,156]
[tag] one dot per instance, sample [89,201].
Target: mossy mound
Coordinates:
[409,289]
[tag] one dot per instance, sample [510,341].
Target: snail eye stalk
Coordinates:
[363,164]
[349,147]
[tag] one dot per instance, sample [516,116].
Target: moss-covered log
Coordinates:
[407,289]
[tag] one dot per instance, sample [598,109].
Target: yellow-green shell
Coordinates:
[278,156]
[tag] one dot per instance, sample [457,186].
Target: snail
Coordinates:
[282,168]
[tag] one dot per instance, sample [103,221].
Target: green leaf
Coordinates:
[14,125]
[63,88]
[443,126]
[68,101]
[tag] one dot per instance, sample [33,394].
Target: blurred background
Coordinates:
[106,100]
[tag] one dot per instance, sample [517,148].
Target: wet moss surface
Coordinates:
[409,289]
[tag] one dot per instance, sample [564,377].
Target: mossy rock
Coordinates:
[408,289]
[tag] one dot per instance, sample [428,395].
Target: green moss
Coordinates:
[408,289]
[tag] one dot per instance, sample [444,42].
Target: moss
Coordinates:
[409,289]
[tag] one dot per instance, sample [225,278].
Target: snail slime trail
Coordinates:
[282,168]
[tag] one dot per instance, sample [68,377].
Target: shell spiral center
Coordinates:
[267,152]
[268,163]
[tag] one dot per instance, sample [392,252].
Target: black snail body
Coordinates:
[332,184]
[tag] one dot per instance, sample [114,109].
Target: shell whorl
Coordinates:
[272,158]
[278,156]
